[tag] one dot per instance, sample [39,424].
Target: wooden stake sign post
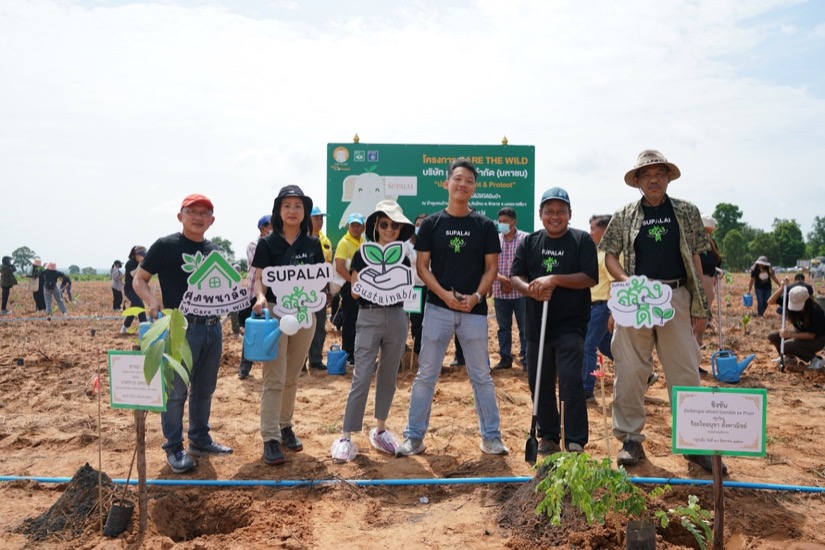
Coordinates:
[128,389]
[716,422]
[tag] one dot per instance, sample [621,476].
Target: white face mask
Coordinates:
[503,228]
[416,229]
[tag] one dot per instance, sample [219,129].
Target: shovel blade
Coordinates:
[531,450]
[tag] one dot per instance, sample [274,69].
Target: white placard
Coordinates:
[127,385]
[298,289]
[719,420]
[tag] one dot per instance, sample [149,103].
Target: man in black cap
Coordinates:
[557,264]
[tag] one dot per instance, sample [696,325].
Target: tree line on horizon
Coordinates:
[739,243]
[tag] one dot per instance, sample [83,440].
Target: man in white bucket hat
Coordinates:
[661,237]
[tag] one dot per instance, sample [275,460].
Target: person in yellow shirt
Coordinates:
[598,336]
[316,348]
[343,257]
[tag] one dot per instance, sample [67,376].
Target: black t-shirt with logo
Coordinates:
[457,247]
[539,255]
[657,245]
[358,264]
[165,259]
[273,251]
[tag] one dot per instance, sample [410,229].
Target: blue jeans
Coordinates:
[207,346]
[439,326]
[597,338]
[505,309]
[762,295]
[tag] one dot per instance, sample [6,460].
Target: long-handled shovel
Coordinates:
[531,449]
[782,329]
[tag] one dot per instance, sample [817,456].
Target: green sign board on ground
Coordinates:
[359,175]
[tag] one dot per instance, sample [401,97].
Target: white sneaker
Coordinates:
[409,447]
[494,446]
[817,363]
[343,450]
[384,442]
[123,329]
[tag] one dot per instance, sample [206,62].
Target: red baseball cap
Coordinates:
[196,198]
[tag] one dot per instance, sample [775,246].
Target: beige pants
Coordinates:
[632,350]
[280,382]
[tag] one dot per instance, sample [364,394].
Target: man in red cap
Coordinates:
[165,258]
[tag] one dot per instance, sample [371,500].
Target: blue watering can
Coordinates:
[747,300]
[146,325]
[260,339]
[725,368]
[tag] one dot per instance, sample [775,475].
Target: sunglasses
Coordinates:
[387,225]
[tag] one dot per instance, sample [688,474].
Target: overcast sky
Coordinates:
[112,111]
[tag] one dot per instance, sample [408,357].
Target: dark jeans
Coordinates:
[804,349]
[39,299]
[117,299]
[505,310]
[563,357]
[6,290]
[135,301]
[597,337]
[207,346]
[316,348]
[350,306]
[762,295]
[417,321]
[67,288]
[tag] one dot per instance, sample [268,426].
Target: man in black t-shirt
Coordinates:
[166,259]
[457,259]
[557,264]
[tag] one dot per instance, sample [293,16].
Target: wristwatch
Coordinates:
[478,296]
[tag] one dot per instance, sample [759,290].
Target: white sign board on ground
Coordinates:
[727,421]
[127,384]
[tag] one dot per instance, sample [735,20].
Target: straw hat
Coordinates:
[393,211]
[647,158]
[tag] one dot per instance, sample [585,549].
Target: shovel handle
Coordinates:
[541,359]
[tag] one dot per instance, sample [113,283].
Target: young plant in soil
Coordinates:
[598,491]
[165,348]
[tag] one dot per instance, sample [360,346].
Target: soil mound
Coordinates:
[73,509]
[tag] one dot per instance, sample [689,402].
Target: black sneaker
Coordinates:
[505,363]
[291,441]
[273,453]
[630,454]
[179,461]
[213,448]
[705,462]
[318,366]
[589,396]
[458,362]
[244,369]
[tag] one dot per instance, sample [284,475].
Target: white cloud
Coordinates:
[113,112]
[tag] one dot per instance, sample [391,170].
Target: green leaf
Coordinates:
[154,332]
[133,311]
[178,368]
[152,360]
[373,253]
[393,254]
[668,314]
[657,311]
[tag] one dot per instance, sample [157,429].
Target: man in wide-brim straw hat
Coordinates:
[660,237]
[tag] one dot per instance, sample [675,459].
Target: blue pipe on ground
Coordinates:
[424,481]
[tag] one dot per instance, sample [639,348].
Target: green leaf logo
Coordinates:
[549,263]
[373,253]
[656,232]
[393,254]
[457,243]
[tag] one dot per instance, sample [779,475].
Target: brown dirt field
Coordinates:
[49,428]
